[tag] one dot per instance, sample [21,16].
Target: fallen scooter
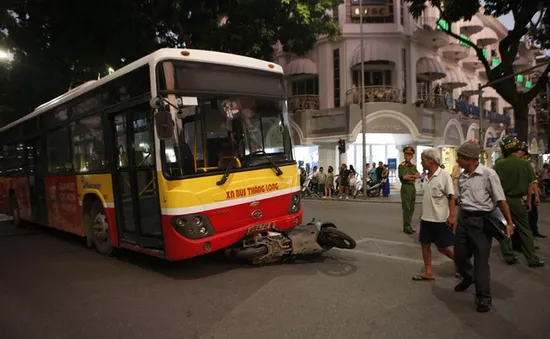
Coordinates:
[306,240]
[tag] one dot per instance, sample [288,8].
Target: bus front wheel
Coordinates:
[98,229]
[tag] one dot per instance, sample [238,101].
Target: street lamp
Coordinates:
[5,55]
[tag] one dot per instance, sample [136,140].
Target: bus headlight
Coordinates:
[294,203]
[193,226]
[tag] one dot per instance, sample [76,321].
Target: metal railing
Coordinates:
[304,102]
[375,94]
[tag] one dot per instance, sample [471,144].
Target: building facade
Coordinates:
[420,87]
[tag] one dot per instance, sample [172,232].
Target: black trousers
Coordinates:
[534,216]
[473,238]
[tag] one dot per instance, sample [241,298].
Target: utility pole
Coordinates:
[363,112]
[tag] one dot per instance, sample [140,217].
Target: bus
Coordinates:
[178,154]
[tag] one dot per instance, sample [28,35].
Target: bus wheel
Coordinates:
[99,230]
[16,213]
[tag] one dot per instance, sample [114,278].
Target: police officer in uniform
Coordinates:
[517,179]
[479,193]
[407,175]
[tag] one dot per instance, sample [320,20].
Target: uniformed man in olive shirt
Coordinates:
[407,175]
[517,177]
[479,193]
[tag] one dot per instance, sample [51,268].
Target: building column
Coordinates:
[328,156]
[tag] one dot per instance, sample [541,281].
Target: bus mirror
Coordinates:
[165,125]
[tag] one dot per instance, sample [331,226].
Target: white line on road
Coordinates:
[381,255]
[387,242]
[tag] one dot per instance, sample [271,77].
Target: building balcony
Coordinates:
[432,31]
[304,102]
[375,94]
[429,100]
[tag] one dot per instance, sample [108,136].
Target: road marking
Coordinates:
[387,256]
[393,242]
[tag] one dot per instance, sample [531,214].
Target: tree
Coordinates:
[63,43]
[531,18]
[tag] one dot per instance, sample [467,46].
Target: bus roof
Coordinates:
[152,59]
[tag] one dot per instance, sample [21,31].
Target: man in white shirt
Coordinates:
[437,223]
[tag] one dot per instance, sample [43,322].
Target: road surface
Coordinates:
[51,286]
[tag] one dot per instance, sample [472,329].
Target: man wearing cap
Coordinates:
[517,178]
[479,193]
[407,175]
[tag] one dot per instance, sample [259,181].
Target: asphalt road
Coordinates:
[51,286]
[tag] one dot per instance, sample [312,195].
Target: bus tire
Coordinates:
[15,212]
[98,229]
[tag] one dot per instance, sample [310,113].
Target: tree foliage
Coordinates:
[531,18]
[60,44]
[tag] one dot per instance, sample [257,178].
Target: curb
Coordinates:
[366,201]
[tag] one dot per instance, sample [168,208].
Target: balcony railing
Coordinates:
[304,102]
[375,94]
[429,100]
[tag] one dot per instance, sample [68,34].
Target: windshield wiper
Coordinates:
[225,174]
[277,169]
[229,167]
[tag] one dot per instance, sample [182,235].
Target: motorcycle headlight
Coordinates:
[294,203]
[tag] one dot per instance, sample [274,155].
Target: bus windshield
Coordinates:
[242,127]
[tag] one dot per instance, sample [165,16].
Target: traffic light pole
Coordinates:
[363,113]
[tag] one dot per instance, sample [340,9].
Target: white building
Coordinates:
[419,87]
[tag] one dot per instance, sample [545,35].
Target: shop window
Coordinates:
[87,143]
[59,159]
[336,74]
[305,87]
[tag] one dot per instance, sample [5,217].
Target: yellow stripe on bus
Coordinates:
[181,194]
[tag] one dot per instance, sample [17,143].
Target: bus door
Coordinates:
[37,189]
[137,202]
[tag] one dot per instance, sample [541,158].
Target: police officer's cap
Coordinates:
[408,150]
[510,144]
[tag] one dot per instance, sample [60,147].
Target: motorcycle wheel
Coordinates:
[332,237]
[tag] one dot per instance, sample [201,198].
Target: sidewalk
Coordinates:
[393,198]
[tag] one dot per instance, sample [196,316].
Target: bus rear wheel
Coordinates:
[98,225]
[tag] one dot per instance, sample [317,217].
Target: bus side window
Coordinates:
[88,146]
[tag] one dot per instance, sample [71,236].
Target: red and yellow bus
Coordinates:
[178,154]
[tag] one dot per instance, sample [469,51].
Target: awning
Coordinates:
[455,51]
[485,37]
[429,69]
[301,66]
[374,52]
[472,26]
[455,79]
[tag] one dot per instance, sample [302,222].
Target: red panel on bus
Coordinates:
[22,194]
[64,211]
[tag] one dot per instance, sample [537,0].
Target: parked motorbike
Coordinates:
[306,240]
[372,189]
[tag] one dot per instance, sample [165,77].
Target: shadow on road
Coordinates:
[488,325]
[216,263]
